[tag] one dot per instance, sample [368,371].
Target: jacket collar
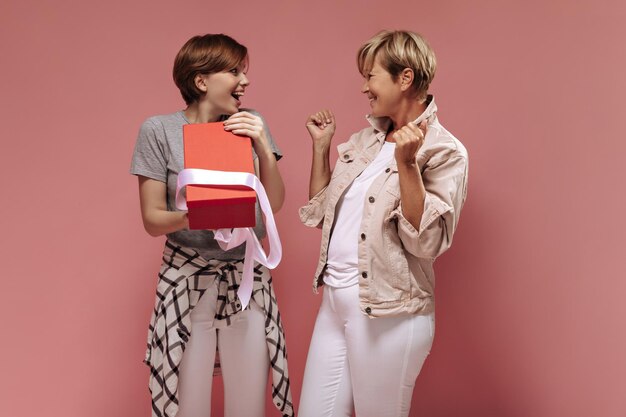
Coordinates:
[381,125]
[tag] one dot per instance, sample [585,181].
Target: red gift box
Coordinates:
[209,146]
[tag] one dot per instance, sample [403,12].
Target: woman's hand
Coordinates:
[321,127]
[248,124]
[409,139]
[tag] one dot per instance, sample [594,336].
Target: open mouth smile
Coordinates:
[237,95]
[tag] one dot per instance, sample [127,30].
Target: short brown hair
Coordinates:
[398,50]
[205,54]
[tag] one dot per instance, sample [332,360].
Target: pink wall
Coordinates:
[530,315]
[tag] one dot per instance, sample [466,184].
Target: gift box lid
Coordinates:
[209,146]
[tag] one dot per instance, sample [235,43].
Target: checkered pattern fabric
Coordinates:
[183,278]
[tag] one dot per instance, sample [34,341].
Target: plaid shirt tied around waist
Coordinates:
[183,278]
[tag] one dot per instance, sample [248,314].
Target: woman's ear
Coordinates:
[200,82]
[406,79]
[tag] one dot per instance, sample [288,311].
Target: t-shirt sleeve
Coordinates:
[149,155]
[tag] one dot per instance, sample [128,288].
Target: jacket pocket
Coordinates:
[347,153]
[392,196]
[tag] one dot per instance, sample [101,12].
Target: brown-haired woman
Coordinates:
[197,311]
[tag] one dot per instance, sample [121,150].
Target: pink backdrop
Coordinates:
[530,313]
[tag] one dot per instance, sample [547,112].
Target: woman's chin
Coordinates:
[377,111]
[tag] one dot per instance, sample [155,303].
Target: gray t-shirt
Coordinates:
[159,155]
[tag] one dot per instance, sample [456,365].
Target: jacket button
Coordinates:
[372,199]
[364,274]
[362,236]
[388,169]
[368,310]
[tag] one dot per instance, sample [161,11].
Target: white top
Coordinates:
[342,264]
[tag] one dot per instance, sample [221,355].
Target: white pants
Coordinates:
[355,362]
[243,356]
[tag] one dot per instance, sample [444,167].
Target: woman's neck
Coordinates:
[408,111]
[200,112]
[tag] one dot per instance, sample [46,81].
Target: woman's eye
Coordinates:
[234,71]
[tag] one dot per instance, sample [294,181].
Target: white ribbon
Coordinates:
[228,239]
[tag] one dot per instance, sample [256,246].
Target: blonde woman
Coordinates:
[387,211]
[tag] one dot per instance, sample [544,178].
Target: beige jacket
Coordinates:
[395,259]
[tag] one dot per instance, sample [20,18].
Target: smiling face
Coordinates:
[223,90]
[384,93]
[392,61]
[213,64]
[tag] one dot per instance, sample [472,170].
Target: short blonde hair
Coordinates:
[397,50]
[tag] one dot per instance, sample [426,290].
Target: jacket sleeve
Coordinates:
[446,189]
[312,214]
